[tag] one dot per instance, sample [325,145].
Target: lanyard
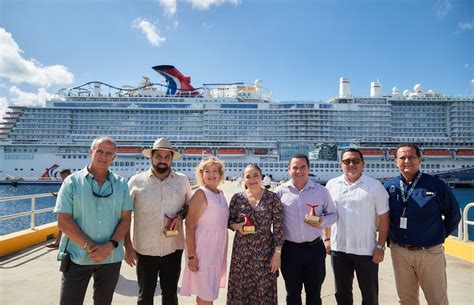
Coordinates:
[406,196]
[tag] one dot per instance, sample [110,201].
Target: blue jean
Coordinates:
[303,266]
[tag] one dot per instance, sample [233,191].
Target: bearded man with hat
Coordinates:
[160,196]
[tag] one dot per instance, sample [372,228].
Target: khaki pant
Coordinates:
[425,268]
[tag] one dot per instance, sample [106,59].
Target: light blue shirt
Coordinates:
[295,208]
[97,217]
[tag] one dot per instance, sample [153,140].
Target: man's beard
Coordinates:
[161,170]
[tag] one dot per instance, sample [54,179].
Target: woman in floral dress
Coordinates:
[255,256]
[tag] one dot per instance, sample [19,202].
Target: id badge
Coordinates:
[403,222]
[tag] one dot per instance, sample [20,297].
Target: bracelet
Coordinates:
[326,239]
[277,250]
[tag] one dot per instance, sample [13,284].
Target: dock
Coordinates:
[32,276]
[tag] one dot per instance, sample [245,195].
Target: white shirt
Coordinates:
[152,200]
[357,206]
[267,180]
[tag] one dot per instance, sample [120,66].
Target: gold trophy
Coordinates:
[249,226]
[168,231]
[312,218]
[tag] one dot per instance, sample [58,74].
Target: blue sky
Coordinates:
[298,48]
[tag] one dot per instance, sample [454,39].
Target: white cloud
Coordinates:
[169,6]
[442,8]
[206,4]
[150,30]
[23,98]
[3,106]
[17,69]
[466,26]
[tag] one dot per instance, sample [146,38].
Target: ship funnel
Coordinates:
[344,87]
[96,90]
[395,91]
[375,89]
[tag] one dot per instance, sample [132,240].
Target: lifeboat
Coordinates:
[465,153]
[436,153]
[260,151]
[197,151]
[231,152]
[129,150]
[372,152]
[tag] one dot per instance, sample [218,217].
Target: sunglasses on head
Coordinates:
[353,161]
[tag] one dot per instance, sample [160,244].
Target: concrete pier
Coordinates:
[32,276]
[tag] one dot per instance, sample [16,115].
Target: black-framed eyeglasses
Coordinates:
[103,196]
[353,161]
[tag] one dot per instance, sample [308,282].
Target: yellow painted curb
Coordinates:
[17,241]
[460,249]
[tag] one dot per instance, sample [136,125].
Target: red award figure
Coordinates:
[249,226]
[168,231]
[312,217]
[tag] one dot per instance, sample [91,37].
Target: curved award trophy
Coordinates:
[249,226]
[312,217]
[168,231]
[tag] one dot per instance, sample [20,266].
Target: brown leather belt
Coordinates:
[413,248]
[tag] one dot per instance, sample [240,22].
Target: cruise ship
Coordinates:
[238,123]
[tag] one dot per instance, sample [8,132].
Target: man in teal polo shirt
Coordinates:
[94,212]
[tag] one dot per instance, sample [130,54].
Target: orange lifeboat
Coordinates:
[197,151]
[260,151]
[129,150]
[436,153]
[231,151]
[465,153]
[372,152]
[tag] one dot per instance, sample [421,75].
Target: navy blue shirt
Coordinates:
[430,199]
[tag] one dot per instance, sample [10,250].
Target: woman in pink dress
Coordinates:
[206,235]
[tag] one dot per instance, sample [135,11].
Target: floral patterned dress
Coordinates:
[250,278]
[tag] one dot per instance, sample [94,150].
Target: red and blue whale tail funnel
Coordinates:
[178,84]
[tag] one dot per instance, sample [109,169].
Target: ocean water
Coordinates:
[463,195]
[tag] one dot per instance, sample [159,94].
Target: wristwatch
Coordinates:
[114,243]
[380,247]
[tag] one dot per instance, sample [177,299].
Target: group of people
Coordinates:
[290,230]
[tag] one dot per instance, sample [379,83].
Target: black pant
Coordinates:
[148,268]
[74,283]
[303,265]
[344,265]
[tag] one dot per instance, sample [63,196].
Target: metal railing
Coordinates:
[32,213]
[465,222]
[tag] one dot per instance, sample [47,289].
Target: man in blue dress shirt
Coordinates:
[303,253]
[93,209]
[423,212]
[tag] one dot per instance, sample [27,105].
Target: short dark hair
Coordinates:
[354,151]
[299,156]
[414,146]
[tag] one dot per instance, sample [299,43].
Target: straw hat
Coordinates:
[163,144]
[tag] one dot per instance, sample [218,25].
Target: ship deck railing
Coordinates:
[33,211]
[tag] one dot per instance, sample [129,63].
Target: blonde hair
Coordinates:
[199,171]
